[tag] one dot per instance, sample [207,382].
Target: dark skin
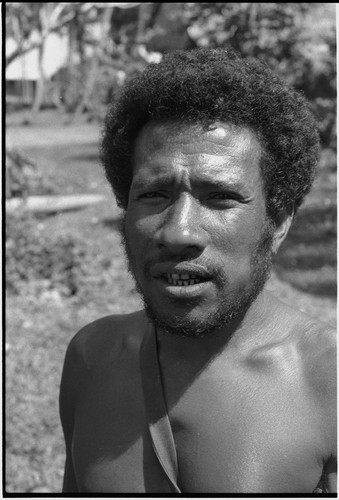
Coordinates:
[251,404]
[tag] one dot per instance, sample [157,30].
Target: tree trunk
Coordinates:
[143,18]
[90,82]
[98,55]
[40,87]
[70,89]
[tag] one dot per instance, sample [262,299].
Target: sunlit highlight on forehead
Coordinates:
[157,136]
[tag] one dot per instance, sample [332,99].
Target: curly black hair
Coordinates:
[202,86]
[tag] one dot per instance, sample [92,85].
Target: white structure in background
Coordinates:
[23,73]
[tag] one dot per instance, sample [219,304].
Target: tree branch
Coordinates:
[21,51]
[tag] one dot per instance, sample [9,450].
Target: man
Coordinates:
[216,386]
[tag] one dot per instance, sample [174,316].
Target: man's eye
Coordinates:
[223,200]
[223,196]
[151,195]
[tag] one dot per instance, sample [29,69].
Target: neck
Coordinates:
[242,334]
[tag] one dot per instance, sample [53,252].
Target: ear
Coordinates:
[283,224]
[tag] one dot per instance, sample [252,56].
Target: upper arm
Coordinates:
[73,375]
[322,376]
[95,346]
[327,393]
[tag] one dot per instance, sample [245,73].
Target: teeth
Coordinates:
[182,279]
[182,276]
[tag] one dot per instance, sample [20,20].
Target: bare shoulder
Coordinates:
[104,339]
[317,350]
[314,341]
[94,349]
[313,344]
[317,347]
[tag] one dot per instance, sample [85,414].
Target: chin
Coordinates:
[200,319]
[194,323]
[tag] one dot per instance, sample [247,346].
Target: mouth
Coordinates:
[184,279]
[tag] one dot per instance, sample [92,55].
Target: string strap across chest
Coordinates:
[156,410]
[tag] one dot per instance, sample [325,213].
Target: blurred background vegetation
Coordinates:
[64,263]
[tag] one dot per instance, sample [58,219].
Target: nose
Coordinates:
[181,231]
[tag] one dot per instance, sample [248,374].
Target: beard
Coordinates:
[229,307]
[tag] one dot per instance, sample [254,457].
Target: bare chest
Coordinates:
[243,432]
[246,435]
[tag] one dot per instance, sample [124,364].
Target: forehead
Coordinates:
[219,137]
[161,145]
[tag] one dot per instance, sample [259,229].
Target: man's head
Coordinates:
[209,155]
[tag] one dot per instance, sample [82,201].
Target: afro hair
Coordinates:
[202,86]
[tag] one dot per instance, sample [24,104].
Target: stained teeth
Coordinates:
[183,279]
[181,276]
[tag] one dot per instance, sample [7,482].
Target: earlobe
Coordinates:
[283,225]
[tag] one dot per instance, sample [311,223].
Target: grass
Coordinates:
[41,320]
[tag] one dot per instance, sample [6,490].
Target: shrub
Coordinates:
[23,178]
[53,261]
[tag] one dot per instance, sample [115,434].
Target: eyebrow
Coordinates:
[206,184]
[210,184]
[153,182]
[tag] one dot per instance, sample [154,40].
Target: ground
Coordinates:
[41,320]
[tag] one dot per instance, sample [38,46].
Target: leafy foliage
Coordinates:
[23,177]
[298,40]
[47,263]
